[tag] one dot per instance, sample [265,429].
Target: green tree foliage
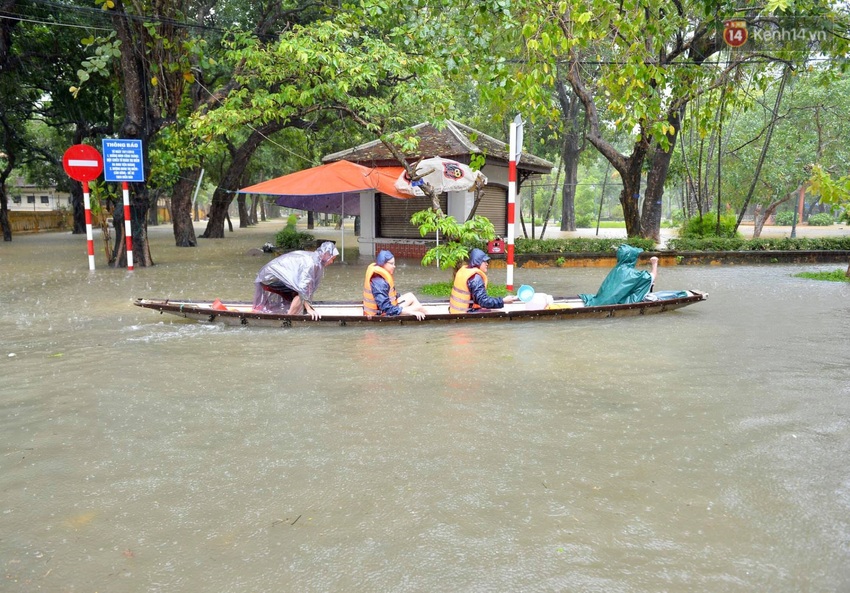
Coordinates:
[810,127]
[456,238]
[635,67]
[322,67]
[834,191]
[39,118]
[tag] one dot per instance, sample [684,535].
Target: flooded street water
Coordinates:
[702,450]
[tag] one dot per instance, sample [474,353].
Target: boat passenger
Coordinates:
[624,284]
[469,292]
[380,296]
[287,283]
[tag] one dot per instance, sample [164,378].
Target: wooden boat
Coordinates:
[351,313]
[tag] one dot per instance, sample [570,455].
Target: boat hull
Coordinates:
[351,314]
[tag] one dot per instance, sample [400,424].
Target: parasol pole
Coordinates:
[342,228]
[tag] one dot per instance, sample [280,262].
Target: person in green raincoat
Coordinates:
[624,284]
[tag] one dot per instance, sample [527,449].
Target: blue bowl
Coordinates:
[525,293]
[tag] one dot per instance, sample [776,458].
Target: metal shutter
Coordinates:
[494,205]
[393,216]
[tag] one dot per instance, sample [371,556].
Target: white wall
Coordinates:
[55,200]
[460,204]
[366,240]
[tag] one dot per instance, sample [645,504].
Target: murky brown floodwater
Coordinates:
[704,450]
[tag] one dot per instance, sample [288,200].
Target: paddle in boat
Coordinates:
[538,308]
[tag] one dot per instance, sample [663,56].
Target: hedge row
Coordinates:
[769,244]
[543,246]
[540,246]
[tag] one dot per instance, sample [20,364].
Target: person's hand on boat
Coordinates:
[314,315]
[511,298]
[418,314]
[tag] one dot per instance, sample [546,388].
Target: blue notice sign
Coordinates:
[122,160]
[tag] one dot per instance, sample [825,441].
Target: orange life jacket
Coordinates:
[461,298]
[370,307]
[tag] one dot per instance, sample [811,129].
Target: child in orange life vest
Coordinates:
[469,292]
[379,293]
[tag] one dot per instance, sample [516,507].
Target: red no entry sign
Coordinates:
[82,162]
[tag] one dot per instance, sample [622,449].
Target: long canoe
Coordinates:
[351,313]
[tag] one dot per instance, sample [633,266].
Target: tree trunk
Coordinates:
[759,218]
[572,149]
[629,197]
[137,124]
[181,209]
[79,209]
[244,217]
[568,194]
[217,214]
[653,202]
[758,221]
[153,207]
[11,159]
[232,178]
[551,199]
[629,167]
[5,225]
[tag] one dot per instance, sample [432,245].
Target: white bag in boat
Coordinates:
[539,301]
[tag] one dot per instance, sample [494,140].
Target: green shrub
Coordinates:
[290,238]
[444,289]
[833,276]
[822,219]
[785,218]
[767,244]
[706,226]
[585,221]
[677,217]
[578,245]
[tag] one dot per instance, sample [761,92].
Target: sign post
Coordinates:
[123,162]
[83,163]
[515,152]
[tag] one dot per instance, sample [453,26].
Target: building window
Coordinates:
[45,199]
[30,199]
[16,199]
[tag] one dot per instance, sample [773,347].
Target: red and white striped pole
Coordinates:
[83,163]
[511,214]
[128,228]
[89,236]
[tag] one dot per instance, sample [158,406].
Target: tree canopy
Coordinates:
[216,86]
